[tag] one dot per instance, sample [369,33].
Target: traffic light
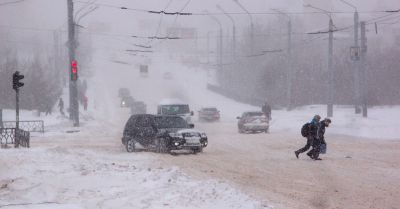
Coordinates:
[16,80]
[74,70]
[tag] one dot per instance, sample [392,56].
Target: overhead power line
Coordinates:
[233,13]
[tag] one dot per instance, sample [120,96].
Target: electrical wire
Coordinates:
[164,12]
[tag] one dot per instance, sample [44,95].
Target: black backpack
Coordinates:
[305,130]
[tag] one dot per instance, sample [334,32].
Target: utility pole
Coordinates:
[208,47]
[290,67]
[56,36]
[364,50]
[73,88]
[330,69]
[221,47]
[1,118]
[356,66]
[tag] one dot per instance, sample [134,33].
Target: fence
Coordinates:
[14,136]
[28,125]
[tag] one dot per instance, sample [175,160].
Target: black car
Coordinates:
[162,133]
[127,101]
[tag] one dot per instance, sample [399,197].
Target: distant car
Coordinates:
[123,92]
[209,114]
[144,70]
[255,121]
[168,76]
[162,133]
[138,107]
[127,101]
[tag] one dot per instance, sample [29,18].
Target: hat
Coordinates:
[317,117]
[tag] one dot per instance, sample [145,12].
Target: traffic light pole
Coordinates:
[16,144]
[364,50]
[73,88]
[330,69]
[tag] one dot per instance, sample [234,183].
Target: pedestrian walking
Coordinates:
[266,109]
[48,109]
[311,134]
[85,102]
[61,106]
[320,140]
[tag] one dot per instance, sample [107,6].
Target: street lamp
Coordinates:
[289,59]
[233,31]
[251,25]
[330,60]
[355,60]
[220,38]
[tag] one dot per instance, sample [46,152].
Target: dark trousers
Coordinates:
[316,148]
[308,145]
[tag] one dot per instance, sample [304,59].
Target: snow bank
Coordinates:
[381,123]
[82,175]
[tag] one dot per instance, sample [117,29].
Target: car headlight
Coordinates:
[176,135]
[123,103]
[203,135]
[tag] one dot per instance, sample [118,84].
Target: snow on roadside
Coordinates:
[382,122]
[103,179]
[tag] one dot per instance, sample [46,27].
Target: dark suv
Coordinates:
[162,133]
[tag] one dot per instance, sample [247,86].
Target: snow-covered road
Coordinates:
[90,169]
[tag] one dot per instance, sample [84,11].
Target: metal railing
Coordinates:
[28,125]
[17,137]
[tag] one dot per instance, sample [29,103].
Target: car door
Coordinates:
[146,129]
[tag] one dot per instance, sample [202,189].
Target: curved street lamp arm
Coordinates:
[229,16]
[351,5]
[328,13]
[244,9]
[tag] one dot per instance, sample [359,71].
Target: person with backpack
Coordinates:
[320,140]
[309,130]
[61,106]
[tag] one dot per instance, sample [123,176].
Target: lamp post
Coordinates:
[289,59]
[233,32]
[251,26]
[330,60]
[356,59]
[220,61]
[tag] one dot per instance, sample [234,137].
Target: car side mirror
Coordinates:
[191,125]
[238,118]
[191,113]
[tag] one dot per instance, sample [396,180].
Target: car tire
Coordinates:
[161,146]
[130,145]
[267,130]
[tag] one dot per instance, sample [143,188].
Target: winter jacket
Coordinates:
[313,129]
[321,132]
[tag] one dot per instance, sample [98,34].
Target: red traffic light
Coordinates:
[74,70]
[74,64]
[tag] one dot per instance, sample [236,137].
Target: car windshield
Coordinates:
[175,109]
[211,109]
[253,114]
[170,122]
